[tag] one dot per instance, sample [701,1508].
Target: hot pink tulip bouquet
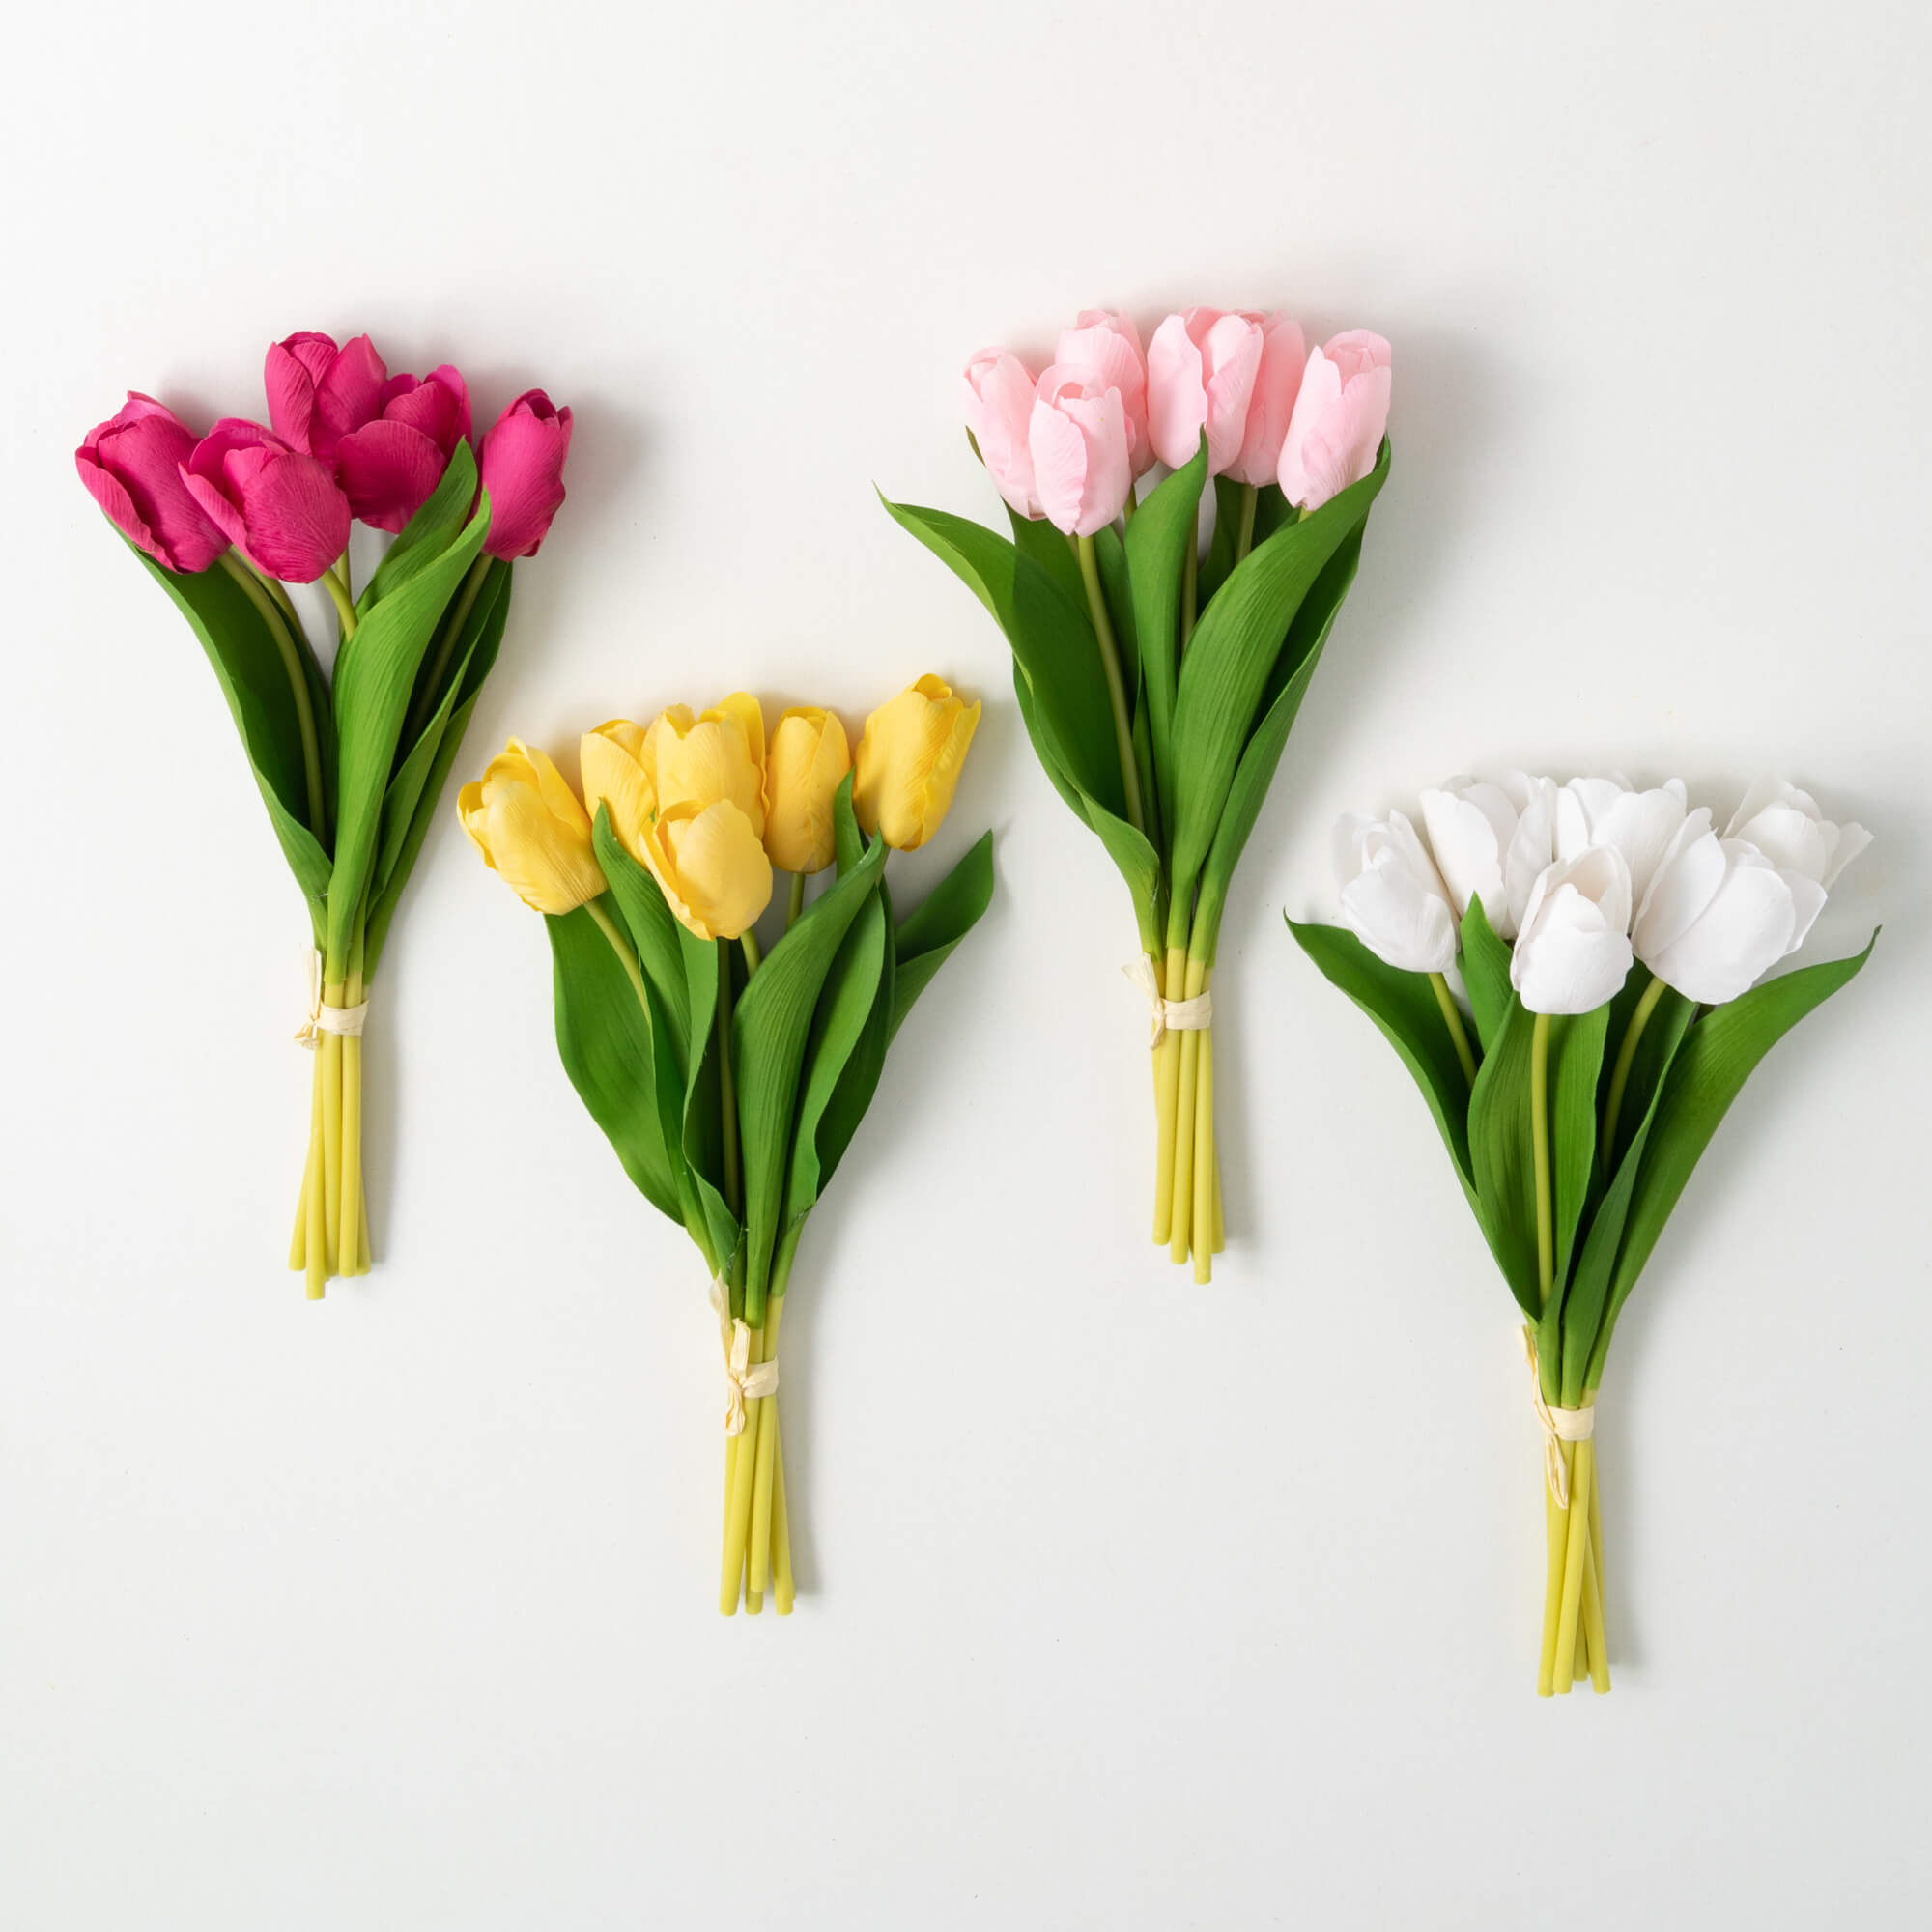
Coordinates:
[1568,973]
[1158,679]
[351,760]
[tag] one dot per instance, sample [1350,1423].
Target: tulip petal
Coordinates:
[297,518]
[347,395]
[610,762]
[387,471]
[1743,931]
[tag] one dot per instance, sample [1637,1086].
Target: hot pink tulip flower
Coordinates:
[1339,418]
[1201,375]
[998,401]
[1277,384]
[522,470]
[1078,441]
[1104,339]
[388,467]
[282,509]
[133,468]
[317,393]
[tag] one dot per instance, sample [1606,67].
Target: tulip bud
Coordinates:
[1573,950]
[1104,339]
[1720,912]
[1392,899]
[908,762]
[807,761]
[526,821]
[522,461]
[997,402]
[1786,826]
[319,393]
[1078,441]
[131,465]
[1201,375]
[1491,843]
[708,860]
[718,756]
[389,465]
[284,510]
[1277,384]
[615,765]
[1340,414]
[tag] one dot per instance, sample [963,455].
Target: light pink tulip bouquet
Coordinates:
[350,759]
[1158,677]
[1568,971]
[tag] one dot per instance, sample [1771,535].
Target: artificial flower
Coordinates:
[720,754]
[618,772]
[998,406]
[1393,899]
[319,393]
[908,762]
[389,465]
[711,866]
[1573,950]
[1202,366]
[131,465]
[1492,842]
[1104,340]
[808,761]
[1277,384]
[522,463]
[283,510]
[525,819]
[1339,416]
[1078,439]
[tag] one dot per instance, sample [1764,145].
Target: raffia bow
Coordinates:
[1180,1015]
[322,1019]
[742,1382]
[1559,1425]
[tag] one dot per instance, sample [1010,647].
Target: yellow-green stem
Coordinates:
[1202,1233]
[337,587]
[352,1216]
[1452,1018]
[1187,1122]
[737,1524]
[782,1579]
[768,1441]
[1613,1106]
[329,1056]
[1117,690]
[1576,1543]
[315,1231]
[794,900]
[1555,1527]
[1167,1091]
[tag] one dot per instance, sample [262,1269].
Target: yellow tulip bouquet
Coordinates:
[1157,679]
[730,1081]
[350,759]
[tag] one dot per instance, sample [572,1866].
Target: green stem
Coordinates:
[621,946]
[1452,1015]
[1117,691]
[728,1087]
[1189,574]
[426,703]
[753,958]
[345,609]
[1620,1073]
[1539,1134]
[1245,540]
[795,900]
[292,663]
[1128,508]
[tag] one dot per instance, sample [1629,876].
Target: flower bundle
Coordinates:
[730,1081]
[1578,1111]
[350,761]
[1158,680]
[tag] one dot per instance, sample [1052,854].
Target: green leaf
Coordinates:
[1232,653]
[429,532]
[1403,1006]
[1157,553]
[703,1134]
[650,921]
[925,938]
[375,672]
[1219,562]
[1716,1058]
[769,1031]
[604,1034]
[1050,636]
[1485,974]
[1044,749]
[1501,1145]
[1281,702]
[253,674]
[1050,549]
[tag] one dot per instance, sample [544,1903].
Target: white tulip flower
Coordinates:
[1492,840]
[1573,950]
[1609,812]
[1393,899]
[1787,827]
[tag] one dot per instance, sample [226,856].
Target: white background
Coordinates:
[1126,1603]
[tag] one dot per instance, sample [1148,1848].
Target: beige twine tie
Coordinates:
[1181,1016]
[1559,1425]
[742,1382]
[322,1019]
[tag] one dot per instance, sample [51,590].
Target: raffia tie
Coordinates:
[322,1019]
[1559,1425]
[1179,1015]
[742,1382]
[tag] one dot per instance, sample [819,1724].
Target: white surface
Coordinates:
[1129,1604]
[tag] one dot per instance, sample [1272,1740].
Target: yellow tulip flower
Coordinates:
[617,771]
[807,760]
[527,824]
[909,759]
[718,756]
[710,865]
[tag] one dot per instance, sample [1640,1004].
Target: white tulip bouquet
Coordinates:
[1579,1109]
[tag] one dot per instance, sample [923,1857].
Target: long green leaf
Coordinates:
[1714,1062]
[428,534]
[604,1034]
[702,1134]
[1486,975]
[1404,1006]
[926,937]
[1157,540]
[650,921]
